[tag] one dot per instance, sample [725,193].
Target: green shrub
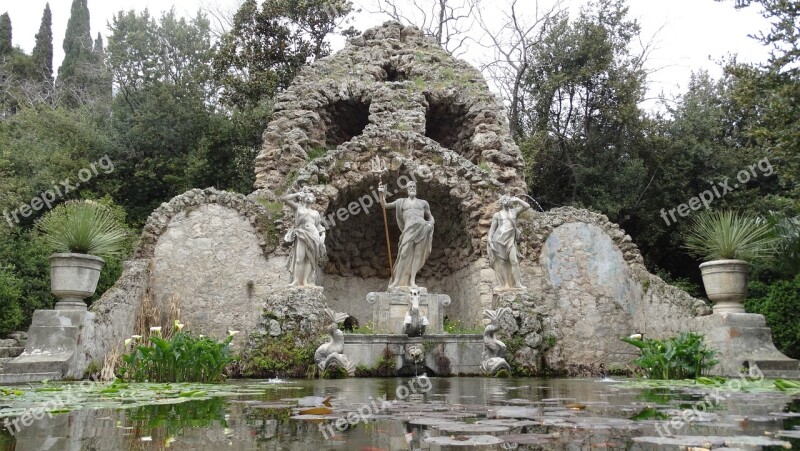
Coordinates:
[283,356]
[27,254]
[779,303]
[681,357]
[182,358]
[10,312]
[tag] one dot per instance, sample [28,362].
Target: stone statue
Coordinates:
[415,323]
[308,238]
[416,223]
[494,350]
[330,354]
[502,243]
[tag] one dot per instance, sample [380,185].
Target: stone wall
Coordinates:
[113,316]
[587,278]
[210,259]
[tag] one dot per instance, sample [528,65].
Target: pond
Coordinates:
[400,414]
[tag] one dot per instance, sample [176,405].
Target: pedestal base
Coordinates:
[744,341]
[75,304]
[389,311]
[50,352]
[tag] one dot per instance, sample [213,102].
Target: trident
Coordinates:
[379,167]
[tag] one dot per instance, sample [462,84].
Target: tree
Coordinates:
[267,46]
[5,35]
[770,93]
[584,118]
[77,42]
[79,73]
[450,22]
[43,50]
[511,43]
[163,107]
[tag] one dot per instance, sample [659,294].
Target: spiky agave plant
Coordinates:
[725,235]
[83,227]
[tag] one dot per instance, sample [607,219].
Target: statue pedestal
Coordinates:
[389,310]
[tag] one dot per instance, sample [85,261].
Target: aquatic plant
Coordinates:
[182,358]
[681,357]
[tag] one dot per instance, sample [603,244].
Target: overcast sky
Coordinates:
[689,34]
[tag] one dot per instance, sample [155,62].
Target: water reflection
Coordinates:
[262,422]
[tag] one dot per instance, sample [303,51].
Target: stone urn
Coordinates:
[73,278]
[726,284]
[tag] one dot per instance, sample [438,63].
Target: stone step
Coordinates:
[778,365]
[3,361]
[11,352]
[778,374]
[28,377]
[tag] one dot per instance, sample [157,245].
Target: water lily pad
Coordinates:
[472,440]
[530,439]
[517,412]
[464,428]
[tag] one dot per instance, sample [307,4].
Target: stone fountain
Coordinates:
[574,283]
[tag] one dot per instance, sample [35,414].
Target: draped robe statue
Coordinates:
[307,237]
[502,243]
[416,223]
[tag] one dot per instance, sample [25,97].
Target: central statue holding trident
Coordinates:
[416,224]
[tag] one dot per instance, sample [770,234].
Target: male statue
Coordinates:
[502,246]
[416,224]
[308,238]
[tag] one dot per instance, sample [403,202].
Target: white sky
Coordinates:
[689,34]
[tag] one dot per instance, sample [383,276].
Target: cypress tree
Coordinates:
[78,45]
[5,35]
[43,50]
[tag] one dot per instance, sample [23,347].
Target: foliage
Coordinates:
[82,74]
[267,46]
[12,316]
[27,254]
[457,327]
[779,304]
[182,358]
[720,235]
[42,55]
[84,227]
[283,356]
[681,357]
[6,43]
[366,329]
[384,367]
[583,122]
[513,344]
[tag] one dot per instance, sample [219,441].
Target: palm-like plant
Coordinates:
[83,227]
[726,235]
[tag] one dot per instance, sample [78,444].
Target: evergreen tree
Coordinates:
[5,35]
[43,50]
[102,84]
[75,73]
